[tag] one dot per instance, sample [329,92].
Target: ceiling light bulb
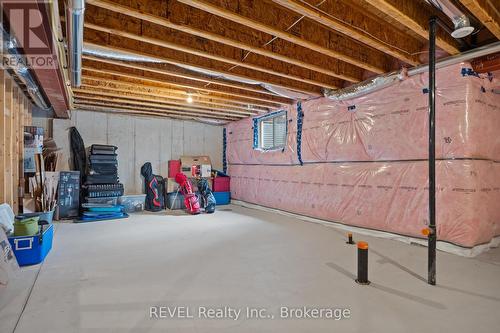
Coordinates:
[189,99]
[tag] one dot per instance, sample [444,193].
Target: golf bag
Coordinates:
[155,189]
[207,197]
[190,199]
[79,157]
[78,154]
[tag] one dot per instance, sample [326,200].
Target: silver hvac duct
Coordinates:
[458,58]
[364,87]
[99,51]
[17,63]
[74,33]
[386,80]
[459,19]
[104,52]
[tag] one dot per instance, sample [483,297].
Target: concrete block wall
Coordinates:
[140,140]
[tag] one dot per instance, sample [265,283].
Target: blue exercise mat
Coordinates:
[102,218]
[106,209]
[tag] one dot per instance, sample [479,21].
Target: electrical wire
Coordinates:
[316,7]
[356,28]
[275,37]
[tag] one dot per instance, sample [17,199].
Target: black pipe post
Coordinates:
[432,237]
[349,239]
[362,263]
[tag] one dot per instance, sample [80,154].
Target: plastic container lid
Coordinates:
[26,227]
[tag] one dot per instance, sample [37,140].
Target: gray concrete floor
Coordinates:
[105,276]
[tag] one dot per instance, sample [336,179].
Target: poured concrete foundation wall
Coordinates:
[140,140]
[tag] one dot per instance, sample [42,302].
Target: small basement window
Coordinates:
[270,131]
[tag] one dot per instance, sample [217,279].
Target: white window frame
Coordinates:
[260,131]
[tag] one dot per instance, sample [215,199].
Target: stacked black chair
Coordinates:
[102,175]
[102,187]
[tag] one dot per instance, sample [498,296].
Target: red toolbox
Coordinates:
[174,167]
[221,184]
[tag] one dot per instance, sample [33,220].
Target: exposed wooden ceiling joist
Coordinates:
[223,53]
[221,39]
[106,95]
[136,111]
[379,36]
[486,11]
[102,83]
[234,92]
[373,63]
[154,69]
[85,107]
[163,82]
[255,73]
[159,106]
[133,93]
[138,106]
[415,16]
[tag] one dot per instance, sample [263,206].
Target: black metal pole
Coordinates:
[349,239]
[362,263]
[432,238]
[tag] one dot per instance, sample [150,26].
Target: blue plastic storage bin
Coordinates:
[222,198]
[32,250]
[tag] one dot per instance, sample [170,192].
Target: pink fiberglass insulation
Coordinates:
[365,160]
[392,124]
[240,143]
[383,196]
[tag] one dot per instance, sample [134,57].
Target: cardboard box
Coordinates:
[172,186]
[199,163]
[205,170]
[202,170]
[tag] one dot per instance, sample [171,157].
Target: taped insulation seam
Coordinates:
[379,147]
[300,117]
[255,128]
[441,245]
[382,196]
[361,161]
[359,228]
[224,148]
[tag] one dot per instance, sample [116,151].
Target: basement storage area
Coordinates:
[250,166]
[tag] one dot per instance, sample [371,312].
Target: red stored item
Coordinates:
[174,167]
[190,199]
[195,170]
[221,184]
[192,204]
